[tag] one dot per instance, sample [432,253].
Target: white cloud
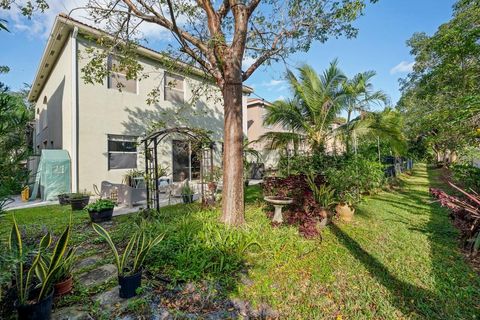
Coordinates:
[402,67]
[273,83]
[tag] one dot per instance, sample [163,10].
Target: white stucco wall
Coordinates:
[104,111]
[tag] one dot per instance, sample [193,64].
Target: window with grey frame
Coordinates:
[122,152]
[117,78]
[174,88]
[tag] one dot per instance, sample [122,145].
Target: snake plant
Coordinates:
[135,252]
[43,268]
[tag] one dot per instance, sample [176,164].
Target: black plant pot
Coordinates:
[79,203]
[187,198]
[100,216]
[63,199]
[129,285]
[41,310]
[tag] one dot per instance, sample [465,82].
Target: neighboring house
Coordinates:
[256,111]
[99,125]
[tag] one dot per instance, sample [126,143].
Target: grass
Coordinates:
[398,259]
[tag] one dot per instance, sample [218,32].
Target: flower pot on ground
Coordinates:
[187,193]
[78,201]
[63,281]
[41,310]
[345,211]
[34,278]
[129,284]
[64,287]
[63,199]
[101,210]
[130,263]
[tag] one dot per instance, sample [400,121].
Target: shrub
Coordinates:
[354,177]
[467,175]
[304,164]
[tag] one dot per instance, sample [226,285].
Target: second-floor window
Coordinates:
[117,78]
[174,88]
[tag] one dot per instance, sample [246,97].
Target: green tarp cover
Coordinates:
[53,175]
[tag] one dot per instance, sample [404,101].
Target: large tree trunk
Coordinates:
[232,194]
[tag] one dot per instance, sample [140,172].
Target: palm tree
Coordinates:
[386,126]
[308,116]
[359,96]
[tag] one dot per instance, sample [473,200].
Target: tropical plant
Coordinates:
[138,247]
[386,126]
[46,270]
[186,189]
[355,177]
[359,96]
[308,116]
[323,194]
[15,117]
[100,205]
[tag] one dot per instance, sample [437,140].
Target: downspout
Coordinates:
[74,111]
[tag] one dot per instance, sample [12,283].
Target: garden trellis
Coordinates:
[151,145]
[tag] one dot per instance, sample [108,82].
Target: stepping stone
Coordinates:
[109,299]
[70,313]
[88,261]
[98,276]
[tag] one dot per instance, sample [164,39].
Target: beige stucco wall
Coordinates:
[255,129]
[57,92]
[104,111]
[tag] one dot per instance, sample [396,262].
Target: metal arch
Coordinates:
[151,151]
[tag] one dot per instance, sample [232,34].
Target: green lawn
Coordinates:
[398,259]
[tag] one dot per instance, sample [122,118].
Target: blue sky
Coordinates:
[380,45]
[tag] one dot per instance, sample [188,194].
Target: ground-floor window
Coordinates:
[122,152]
[185,161]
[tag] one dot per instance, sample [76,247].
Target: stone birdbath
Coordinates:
[278,202]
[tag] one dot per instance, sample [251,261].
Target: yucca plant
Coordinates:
[44,268]
[138,247]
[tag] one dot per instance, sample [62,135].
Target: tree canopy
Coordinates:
[440,97]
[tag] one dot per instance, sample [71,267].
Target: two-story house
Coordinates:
[100,125]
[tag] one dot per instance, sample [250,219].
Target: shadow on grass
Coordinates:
[456,288]
[409,298]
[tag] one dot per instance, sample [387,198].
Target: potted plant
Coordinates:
[324,195]
[187,193]
[213,178]
[101,210]
[35,281]
[78,201]
[63,283]
[130,263]
[63,199]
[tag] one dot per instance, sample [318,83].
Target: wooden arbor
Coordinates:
[151,143]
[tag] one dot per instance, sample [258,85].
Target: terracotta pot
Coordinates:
[63,287]
[345,212]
